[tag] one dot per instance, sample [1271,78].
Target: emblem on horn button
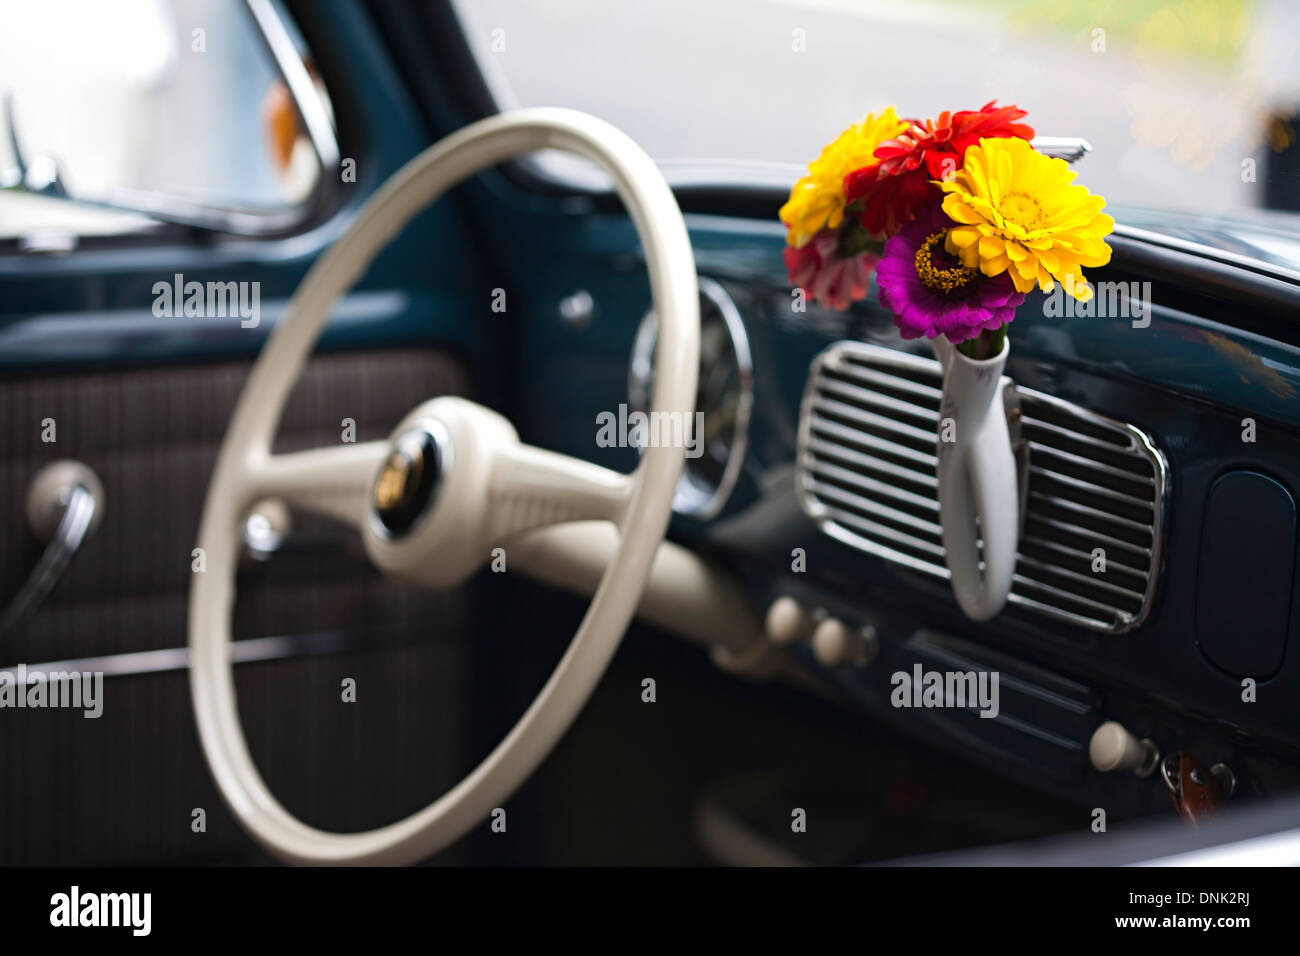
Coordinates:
[406,482]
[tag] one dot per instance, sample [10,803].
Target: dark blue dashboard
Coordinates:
[1189,381]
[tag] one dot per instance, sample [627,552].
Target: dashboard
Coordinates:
[1156,569]
[1185,430]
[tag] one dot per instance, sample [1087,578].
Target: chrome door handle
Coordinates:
[72,492]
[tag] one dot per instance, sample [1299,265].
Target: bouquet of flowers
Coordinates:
[959,217]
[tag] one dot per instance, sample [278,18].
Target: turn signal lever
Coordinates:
[64,505]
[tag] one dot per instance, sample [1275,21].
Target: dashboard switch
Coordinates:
[835,643]
[1113,748]
[788,621]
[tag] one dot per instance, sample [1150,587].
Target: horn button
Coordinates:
[410,478]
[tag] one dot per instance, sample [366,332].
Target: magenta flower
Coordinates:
[833,280]
[931,292]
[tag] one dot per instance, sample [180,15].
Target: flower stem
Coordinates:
[985,345]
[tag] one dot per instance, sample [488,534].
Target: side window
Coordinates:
[117,116]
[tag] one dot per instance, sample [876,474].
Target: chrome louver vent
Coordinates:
[866,474]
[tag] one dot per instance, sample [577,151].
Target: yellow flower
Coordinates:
[1017,211]
[817,200]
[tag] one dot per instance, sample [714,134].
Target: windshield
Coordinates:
[1188,106]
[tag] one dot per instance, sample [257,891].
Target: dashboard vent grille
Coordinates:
[866,473]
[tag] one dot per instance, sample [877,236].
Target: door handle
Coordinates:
[64,505]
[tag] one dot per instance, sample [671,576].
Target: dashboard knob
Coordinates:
[835,643]
[788,621]
[1113,748]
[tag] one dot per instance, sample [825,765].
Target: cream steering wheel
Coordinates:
[453,483]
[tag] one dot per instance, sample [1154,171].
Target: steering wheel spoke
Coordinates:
[333,481]
[533,488]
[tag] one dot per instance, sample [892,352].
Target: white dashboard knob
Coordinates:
[788,621]
[1113,748]
[835,643]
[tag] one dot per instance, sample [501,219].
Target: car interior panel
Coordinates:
[329,450]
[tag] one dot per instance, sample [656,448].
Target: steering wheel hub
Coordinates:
[411,477]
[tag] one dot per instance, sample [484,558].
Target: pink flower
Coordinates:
[930,292]
[831,279]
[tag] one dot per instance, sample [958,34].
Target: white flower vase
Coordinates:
[977,480]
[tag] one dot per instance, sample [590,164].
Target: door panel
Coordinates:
[129,780]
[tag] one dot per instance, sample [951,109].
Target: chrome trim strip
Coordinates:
[836,511]
[1087,486]
[1080,555]
[888,403]
[834,473]
[1038,565]
[1089,463]
[1097,513]
[1083,532]
[833,407]
[320,129]
[1082,438]
[273,25]
[1255,266]
[1070,596]
[884,551]
[860,503]
[832,451]
[863,373]
[247,651]
[875,443]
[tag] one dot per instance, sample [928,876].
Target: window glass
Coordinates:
[138,110]
[1189,106]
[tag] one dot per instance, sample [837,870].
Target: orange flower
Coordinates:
[899,184]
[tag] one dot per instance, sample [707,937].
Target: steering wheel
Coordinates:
[452,483]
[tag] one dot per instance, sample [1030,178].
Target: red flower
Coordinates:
[898,186]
